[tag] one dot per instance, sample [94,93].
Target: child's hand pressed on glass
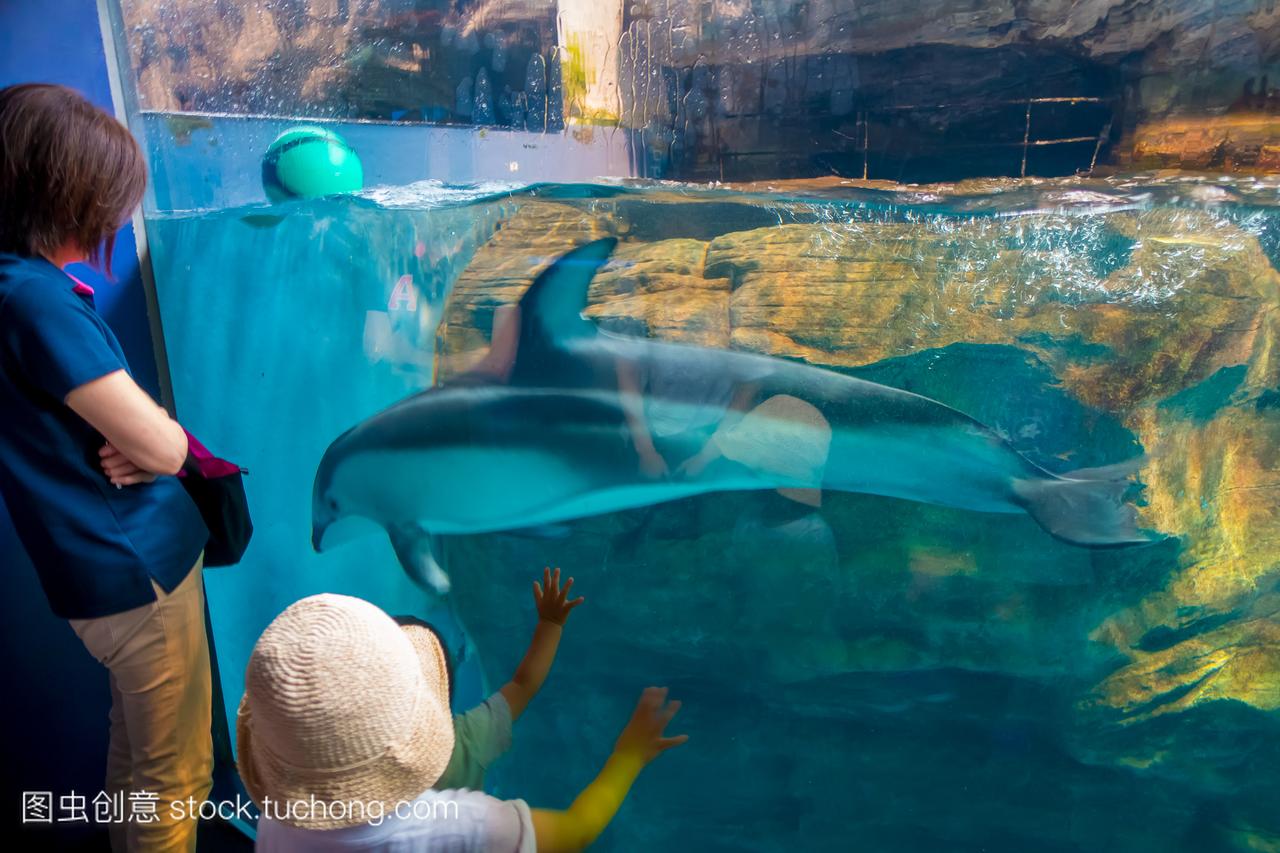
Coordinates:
[553,604]
[645,736]
[552,600]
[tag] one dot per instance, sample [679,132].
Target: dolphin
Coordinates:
[549,444]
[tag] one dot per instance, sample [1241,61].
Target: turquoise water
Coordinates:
[875,672]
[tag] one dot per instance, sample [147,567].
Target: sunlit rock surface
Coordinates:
[1236,141]
[899,632]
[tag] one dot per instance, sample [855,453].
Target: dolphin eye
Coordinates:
[333,503]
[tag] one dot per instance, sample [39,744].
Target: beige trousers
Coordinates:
[161,748]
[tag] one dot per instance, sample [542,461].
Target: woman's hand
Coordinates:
[653,466]
[120,469]
[131,422]
[552,600]
[696,464]
[643,738]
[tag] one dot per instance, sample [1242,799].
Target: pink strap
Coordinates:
[211,467]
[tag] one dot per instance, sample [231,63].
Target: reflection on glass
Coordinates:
[481,63]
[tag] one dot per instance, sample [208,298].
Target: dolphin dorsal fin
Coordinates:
[551,309]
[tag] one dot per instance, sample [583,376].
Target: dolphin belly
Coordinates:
[460,489]
[495,489]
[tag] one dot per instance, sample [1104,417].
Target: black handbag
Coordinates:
[217,487]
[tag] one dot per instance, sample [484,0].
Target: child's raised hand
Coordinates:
[643,736]
[552,600]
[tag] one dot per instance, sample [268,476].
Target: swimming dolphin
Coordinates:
[550,444]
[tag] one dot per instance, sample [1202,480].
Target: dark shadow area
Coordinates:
[918,115]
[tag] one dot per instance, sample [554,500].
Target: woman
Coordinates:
[87,458]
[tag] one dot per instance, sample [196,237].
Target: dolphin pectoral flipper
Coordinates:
[416,549]
[1084,507]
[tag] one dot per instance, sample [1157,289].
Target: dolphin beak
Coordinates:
[328,533]
[317,535]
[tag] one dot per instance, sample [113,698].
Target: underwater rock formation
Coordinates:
[665,285]
[1165,343]
[501,271]
[1193,295]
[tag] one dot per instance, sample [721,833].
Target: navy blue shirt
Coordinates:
[95,547]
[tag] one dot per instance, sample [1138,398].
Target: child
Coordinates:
[483,734]
[345,727]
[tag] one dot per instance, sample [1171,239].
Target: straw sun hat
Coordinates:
[345,708]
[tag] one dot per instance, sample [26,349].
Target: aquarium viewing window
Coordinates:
[897,381]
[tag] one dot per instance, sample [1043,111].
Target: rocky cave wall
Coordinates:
[911,90]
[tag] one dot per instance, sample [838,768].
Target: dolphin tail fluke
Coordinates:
[417,549]
[1086,507]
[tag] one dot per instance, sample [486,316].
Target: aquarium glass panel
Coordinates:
[880,401]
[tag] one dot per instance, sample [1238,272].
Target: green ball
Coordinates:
[310,162]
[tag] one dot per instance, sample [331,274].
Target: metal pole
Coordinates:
[1026,140]
[121,100]
[1102,136]
[865,138]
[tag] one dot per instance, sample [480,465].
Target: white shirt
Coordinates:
[458,821]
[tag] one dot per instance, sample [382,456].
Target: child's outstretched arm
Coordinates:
[640,742]
[553,609]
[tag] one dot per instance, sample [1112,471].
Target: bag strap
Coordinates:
[204,464]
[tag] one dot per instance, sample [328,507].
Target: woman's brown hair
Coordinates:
[69,173]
